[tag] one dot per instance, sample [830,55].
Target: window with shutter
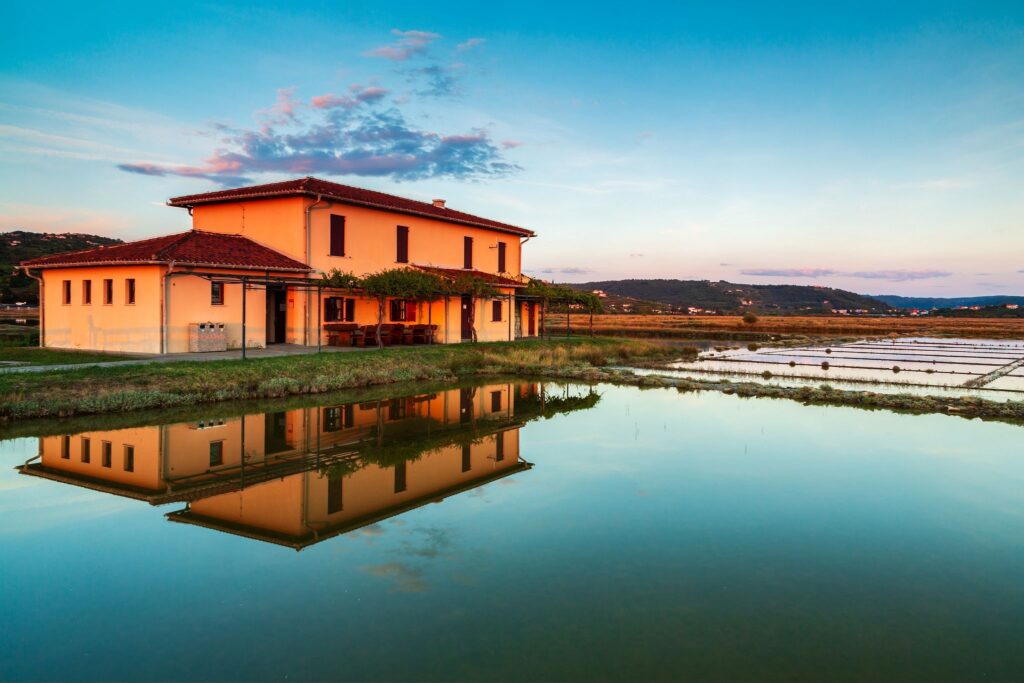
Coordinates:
[501,257]
[402,255]
[337,235]
[410,310]
[495,311]
[467,252]
[350,310]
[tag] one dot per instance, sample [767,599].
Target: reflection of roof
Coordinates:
[187,516]
[489,278]
[94,483]
[194,247]
[314,187]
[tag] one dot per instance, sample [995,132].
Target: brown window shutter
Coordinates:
[403,244]
[410,310]
[501,257]
[350,310]
[467,252]
[337,235]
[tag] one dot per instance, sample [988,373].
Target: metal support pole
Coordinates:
[510,317]
[568,313]
[319,316]
[245,295]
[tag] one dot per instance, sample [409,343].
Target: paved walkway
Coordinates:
[273,351]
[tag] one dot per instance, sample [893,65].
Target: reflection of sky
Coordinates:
[658,531]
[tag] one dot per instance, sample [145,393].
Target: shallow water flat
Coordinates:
[614,534]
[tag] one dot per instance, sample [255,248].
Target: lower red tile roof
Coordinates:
[490,278]
[314,187]
[192,248]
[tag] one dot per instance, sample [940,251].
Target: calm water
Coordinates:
[517,532]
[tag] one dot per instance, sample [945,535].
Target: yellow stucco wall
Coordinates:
[97,326]
[190,302]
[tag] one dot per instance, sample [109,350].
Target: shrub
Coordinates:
[752,347]
[750,317]
[824,365]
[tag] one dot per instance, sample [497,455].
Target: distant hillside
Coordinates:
[926,302]
[19,246]
[729,297]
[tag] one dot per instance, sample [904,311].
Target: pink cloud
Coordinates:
[358,95]
[511,144]
[469,44]
[409,43]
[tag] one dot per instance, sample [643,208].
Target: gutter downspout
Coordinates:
[309,258]
[165,305]
[42,302]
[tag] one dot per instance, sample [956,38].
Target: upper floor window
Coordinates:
[66,292]
[501,258]
[402,251]
[86,291]
[217,293]
[129,291]
[108,292]
[337,235]
[467,253]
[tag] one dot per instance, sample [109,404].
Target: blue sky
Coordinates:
[875,147]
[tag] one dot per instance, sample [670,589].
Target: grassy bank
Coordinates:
[33,355]
[157,385]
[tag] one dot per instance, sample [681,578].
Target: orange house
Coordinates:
[248,273]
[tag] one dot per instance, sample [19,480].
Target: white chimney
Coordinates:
[439,203]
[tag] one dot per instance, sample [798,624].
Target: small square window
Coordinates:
[217,293]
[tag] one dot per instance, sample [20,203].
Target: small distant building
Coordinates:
[1013,307]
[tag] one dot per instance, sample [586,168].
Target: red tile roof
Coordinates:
[490,278]
[346,194]
[192,248]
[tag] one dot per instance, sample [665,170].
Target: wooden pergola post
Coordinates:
[319,316]
[244,297]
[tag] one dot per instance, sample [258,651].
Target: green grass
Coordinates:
[92,390]
[38,356]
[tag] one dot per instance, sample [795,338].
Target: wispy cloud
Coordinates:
[437,80]
[890,275]
[349,135]
[409,44]
[470,44]
[565,270]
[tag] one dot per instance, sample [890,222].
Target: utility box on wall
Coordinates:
[207,337]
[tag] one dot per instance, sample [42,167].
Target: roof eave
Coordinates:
[164,263]
[180,202]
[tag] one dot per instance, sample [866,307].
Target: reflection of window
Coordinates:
[467,461]
[85,449]
[65,447]
[499,446]
[397,409]
[217,293]
[216,453]
[106,456]
[339,309]
[334,501]
[129,458]
[399,478]
[338,417]
[495,401]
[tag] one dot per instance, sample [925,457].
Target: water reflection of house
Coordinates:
[295,477]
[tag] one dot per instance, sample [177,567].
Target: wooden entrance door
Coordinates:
[277,314]
[467,309]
